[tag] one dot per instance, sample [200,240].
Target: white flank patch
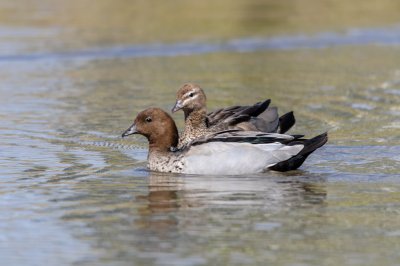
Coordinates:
[236,158]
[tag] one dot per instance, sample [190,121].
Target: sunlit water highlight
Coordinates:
[389,36]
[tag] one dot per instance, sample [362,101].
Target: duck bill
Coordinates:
[178,106]
[130,131]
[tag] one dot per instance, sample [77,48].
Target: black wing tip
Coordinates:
[311,145]
[319,140]
[296,161]
[258,108]
[286,122]
[265,104]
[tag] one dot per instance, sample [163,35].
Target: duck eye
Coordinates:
[191,94]
[148,119]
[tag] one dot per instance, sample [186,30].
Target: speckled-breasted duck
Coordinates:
[258,117]
[228,152]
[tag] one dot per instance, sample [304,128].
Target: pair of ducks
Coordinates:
[229,141]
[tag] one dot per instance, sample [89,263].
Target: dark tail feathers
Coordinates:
[286,122]
[296,161]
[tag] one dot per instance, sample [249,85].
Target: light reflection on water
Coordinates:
[70,186]
[379,36]
[73,192]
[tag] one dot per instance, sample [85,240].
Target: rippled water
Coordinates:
[72,192]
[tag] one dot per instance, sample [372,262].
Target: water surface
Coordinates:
[72,192]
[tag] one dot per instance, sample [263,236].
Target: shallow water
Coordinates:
[72,192]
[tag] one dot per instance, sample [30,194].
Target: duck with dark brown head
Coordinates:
[228,152]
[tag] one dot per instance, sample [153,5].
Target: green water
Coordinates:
[72,192]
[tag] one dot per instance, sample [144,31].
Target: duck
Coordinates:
[191,99]
[228,152]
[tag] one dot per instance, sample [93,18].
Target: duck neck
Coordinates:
[155,148]
[195,120]
[163,141]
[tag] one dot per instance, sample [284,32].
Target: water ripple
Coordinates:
[389,36]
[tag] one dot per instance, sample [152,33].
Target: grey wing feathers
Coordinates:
[236,114]
[253,137]
[259,117]
[267,121]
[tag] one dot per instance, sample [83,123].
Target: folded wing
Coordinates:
[258,117]
[239,152]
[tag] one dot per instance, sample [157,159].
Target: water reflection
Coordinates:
[268,194]
[178,213]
